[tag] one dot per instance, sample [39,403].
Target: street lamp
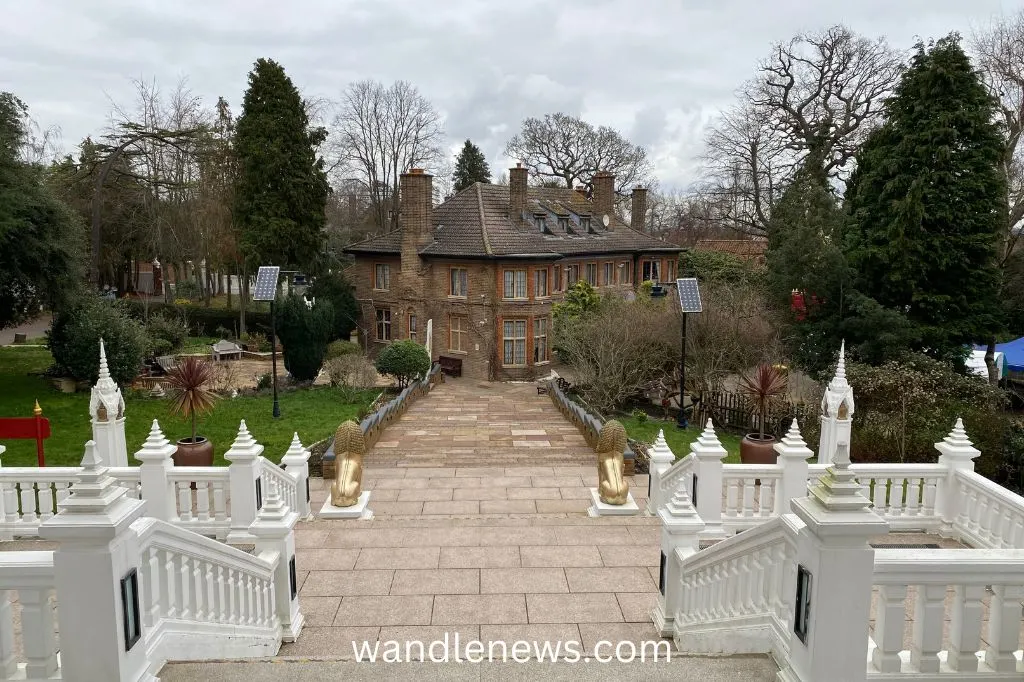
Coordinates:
[689,302]
[266,290]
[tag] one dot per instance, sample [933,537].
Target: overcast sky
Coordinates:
[658,70]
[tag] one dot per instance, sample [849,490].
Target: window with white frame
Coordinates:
[540,283]
[572,274]
[412,326]
[591,274]
[458,328]
[670,270]
[556,278]
[650,271]
[540,340]
[383,324]
[382,276]
[514,343]
[459,286]
[515,284]
[609,275]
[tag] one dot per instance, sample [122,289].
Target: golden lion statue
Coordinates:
[349,448]
[611,444]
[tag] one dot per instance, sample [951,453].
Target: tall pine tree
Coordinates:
[281,188]
[470,166]
[928,203]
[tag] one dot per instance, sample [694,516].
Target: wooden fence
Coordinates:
[733,410]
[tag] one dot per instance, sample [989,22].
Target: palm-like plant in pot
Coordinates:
[760,388]
[191,396]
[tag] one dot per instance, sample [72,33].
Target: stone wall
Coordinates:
[588,424]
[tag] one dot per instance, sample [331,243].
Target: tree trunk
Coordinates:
[990,362]
[243,298]
[228,277]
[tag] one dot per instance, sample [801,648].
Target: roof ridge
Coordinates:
[373,237]
[483,220]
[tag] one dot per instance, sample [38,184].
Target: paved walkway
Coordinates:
[35,328]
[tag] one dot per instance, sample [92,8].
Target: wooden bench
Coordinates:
[451,366]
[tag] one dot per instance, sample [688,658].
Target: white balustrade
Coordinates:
[287,485]
[972,592]
[201,499]
[679,474]
[29,576]
[748,491]
[128,478]
[902,494]
[29,495]
[990,516]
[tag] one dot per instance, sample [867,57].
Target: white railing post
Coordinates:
[156,463]
[5,535]
[835,574]
[956,453]
[707,489]
[274,532]
[244,485]
[793,454]
[8,663]
[680,534]
[37,633]
[296,463]
[660,462]
[94,561]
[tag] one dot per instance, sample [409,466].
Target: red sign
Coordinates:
[34,428]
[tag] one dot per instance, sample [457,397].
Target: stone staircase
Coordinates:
[466,423]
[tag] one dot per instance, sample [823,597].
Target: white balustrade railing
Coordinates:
[989,515]
[201,499]
[966,611]
[749,495]
[735,595]
[29,495]
[128,478]
[287,485]
[902,494]
[29,576]
[192,587]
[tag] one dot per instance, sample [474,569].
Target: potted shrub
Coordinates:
[190,396]
[767,383]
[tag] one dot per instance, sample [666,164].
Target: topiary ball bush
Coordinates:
[405,361]
[74,340]
[304,331]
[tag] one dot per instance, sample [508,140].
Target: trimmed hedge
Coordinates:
[201,321]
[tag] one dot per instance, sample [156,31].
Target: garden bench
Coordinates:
[451,366]
[223,350]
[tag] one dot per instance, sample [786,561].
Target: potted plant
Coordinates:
[190,396]
[760,388]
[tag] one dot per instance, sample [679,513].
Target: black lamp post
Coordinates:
[689,302]
[266,290]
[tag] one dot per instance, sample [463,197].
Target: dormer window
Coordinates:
[540,221]
[563,224]
[586,225]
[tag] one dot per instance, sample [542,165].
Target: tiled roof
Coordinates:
[750,248]
[476,222]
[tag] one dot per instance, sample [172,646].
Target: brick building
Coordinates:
[487,264]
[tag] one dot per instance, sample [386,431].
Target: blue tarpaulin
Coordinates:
[1013,351]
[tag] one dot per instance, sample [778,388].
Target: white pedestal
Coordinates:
[356,511]
[599,508]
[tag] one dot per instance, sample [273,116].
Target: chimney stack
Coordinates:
[604,194]
[638,209]
[517,192]
[415,219]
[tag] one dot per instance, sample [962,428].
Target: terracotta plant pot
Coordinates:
[198,454]
[757,450]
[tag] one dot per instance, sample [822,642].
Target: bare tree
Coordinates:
[568,150]
[820,92]
[381,132]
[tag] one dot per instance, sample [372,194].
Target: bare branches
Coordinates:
[569,150]
[819,94]
[380,133]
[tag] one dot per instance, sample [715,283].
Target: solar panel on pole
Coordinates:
[266,283]
[689,295]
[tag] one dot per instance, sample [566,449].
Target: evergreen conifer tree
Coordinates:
[470,166]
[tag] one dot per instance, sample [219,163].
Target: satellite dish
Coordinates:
[605,220]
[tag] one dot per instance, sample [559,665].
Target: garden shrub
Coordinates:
[351,373]
[339,348]
[406,361]
[201,321]
[187,289]
[74,340]
[166,327]
[304,331]
[335,289]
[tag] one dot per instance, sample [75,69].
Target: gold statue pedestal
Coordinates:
[358,510]
[599,508]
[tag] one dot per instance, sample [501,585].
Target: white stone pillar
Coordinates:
[834,555]
[106,408]
[661,461]
[836,413]
[274,532]
[244,475]
[680,537]
[708,487]
[156,463]
[956,453]
[296,463]
[97,550]
[430,340]
[793,454]
[6,506]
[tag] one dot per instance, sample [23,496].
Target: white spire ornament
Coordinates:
[837,408]
[106,410]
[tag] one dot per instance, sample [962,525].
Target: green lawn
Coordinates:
[314,413]
[197,345]
[677,439]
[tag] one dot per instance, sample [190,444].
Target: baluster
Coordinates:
[250,597]
[750,575]
[152,583]
[978,505]
[766,504]
[865,487]
[199,598]
[1016,536]
[965,628]
[889,628]
[220,508]
[232,598]
[928,497]
[748,497]
[185,579]
[37,634]
[45,502]
[271,603]
[878,495]
[730,602]
[913,504]
[63,490]
[223,613]
[184,501]
[170,589]
[203,501]
[732,491]
[258,587]
[28,503]
[987,521]
[1004,627]
[8,663]
[1006,529]
[897,488]
[963,519]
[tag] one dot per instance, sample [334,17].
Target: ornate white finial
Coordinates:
[91,461]
[156,438]
[106,402]
[708,436]
[244,439]
[838,382]
[245,446]
[156,446]
[274,509]
[707,444]
[661,453]
[104,371]
[94,492]
[958,436]
[793,444]
[295,448]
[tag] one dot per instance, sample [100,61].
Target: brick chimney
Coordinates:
[638,209]
[417,203]
[517,191]
[604,194]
